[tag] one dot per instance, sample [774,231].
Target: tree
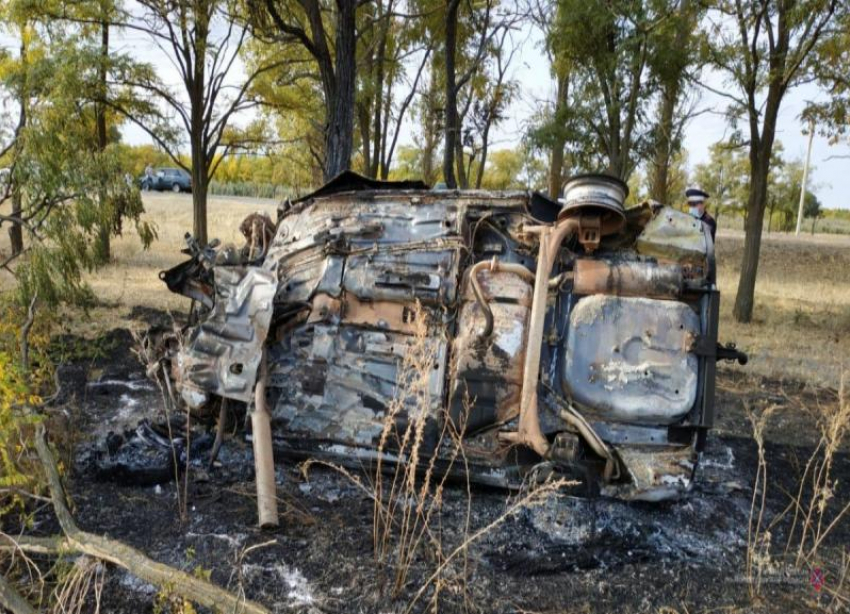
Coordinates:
[427,110]
[609,44]
[832,70]
[812,208]
[471,35]
[676,177]
[763,49]
[504,171]
[725,176]
[204,40]
[550,129]
[68,190]
[388,45]
[293,108]
[672,58]
[15,72]
[335,55]
[784,186]
[489,102]
[105,10]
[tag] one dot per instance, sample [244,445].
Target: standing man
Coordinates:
[696,207]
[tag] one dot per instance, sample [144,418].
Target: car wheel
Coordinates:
[175,187]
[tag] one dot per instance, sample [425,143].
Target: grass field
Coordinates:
[802,321]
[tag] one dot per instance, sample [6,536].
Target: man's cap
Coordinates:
[696,195]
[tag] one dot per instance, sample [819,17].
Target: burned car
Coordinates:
[574,336]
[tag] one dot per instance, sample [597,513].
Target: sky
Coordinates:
[531,70]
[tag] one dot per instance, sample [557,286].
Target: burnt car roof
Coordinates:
[542,207]
[349,181]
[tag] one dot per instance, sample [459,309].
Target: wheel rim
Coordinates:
[175,188]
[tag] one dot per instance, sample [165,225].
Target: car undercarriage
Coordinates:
[529,336]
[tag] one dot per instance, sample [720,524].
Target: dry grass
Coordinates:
[800,330]
[132,280]
[758,537]
[409,496]
[801,323]
[816,512]
[814,515]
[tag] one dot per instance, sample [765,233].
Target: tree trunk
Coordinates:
[462,180]
[200,173]
[670,92]
[664,143]
[745,298]
[451,116]
[364,121]
[200,187]
[340,107]
[770,215]
[556,159]
[482,163]
[104,232]
[378,127]
[386,156]
[198,139]
[431,126]
[16,235]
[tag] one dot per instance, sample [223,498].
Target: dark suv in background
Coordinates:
[173,179]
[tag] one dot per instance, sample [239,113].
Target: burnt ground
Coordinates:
[568,555]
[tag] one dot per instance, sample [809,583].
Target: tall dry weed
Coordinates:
[758,536]
[814,517]
[814,511]
[408,498]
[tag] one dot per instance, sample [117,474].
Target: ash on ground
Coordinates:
[567,554]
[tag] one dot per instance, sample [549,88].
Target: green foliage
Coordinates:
[784,195]
[19,395]
[408,164]
[66,349]
[831,68]
[609,46]
[725,176]
[70,192]
[514,169]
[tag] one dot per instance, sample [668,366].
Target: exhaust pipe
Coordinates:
[263,453]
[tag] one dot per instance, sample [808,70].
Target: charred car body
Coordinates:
[578,337]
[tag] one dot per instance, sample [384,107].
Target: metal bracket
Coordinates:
[589,232]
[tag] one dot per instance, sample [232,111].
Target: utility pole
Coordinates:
[805,177]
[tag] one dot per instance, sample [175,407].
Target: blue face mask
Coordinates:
[695,212]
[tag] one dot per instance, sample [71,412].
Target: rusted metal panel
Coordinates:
[654,474]
[336,383]
[349,273]
[487,371]
[673,236]
[428,276]
[628,278]
[380,249]
[221,355]
[628,359]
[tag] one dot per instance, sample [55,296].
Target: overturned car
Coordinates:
[574,337]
